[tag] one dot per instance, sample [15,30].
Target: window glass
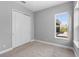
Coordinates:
[61,25]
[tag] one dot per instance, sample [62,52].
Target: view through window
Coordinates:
[61,25]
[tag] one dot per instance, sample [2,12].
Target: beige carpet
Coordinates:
[37,49]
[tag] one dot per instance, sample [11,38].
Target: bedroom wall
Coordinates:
[44,24]
[6,22]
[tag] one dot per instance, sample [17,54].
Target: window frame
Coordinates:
[67,27]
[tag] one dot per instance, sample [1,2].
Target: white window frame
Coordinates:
[68,26]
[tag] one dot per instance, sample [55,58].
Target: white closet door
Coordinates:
[21,28]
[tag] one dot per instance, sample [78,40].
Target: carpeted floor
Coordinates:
[37,49]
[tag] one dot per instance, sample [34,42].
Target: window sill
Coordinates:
[62,38]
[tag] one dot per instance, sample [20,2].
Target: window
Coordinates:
[61,25]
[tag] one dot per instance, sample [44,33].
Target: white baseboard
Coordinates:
[54,44]
[7,50]
[42,42]
[58,46]
[23,43]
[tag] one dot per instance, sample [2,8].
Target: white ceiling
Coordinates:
[39,5]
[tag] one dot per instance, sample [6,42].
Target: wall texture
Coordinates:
[44,24]
[6,22]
